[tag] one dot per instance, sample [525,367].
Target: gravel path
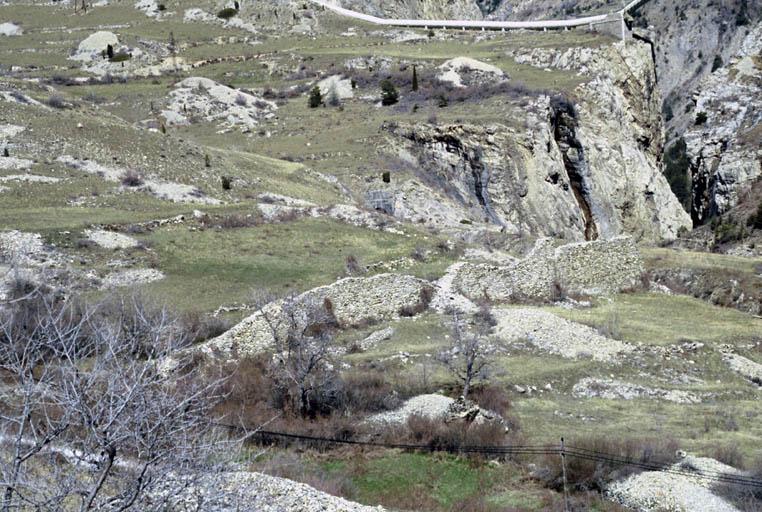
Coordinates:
[447,297]
[556,335]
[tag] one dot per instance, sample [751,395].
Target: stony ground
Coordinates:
[195,172]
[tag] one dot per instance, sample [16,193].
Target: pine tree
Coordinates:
[316,98]
[415,79]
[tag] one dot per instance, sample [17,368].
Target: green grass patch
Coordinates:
[659,319]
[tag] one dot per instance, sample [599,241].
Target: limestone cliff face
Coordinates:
[725,144]
[580,171]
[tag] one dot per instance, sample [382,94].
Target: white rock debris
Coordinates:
[428,406]
[30,178]
[8,131]
[556,335]
[170,191]
[132,277]
[10,29]
[13,163]
[746,367]
[613,389]
[657,491]
[198,97]
[376,337]
[241,490]
[110,239]
[337,84]
[92,47]
[463,71]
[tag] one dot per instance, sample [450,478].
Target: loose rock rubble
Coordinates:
[354,299]
[463,71]
[556,335]
[170,191]
[375,338]
[657,491]
[435,407]
[612,389]
[205,99]
[744,366]
[132,277]
[111,240]
[240,490]
[588,268]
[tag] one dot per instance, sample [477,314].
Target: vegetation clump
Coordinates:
[227,13]
[316,97]
[389,94]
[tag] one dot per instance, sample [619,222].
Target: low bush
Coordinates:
[584,475]
[425,296]
[453,436]
[492,398]
[120,57]
[227,13]
[131,178]
[56,101]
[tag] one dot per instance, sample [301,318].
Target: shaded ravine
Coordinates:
[564,124]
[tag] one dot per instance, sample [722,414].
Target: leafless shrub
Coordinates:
[131,178]
[584,475]
[353,266]
[55,100]
[437,435]
[96,422]
[467,357]
[302,368]
[425,296]
[492,398]
[240,100]
[369,392]
[418,254]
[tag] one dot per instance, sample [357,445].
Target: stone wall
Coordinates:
[355,300]
[592,268]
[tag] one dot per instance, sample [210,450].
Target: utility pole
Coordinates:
[563,472]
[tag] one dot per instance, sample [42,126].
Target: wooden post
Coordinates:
[563,473]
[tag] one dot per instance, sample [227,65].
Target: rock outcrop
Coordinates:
[199,98]
[617,136]
[725,144]
[579,171]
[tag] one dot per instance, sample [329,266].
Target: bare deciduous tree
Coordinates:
[89,420]
[467,357]
[302,364]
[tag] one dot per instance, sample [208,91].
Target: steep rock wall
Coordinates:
[725,144]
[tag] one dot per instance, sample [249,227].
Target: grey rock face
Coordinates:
[725,148]
[578,172]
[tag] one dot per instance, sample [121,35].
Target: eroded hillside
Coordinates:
[334,215]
